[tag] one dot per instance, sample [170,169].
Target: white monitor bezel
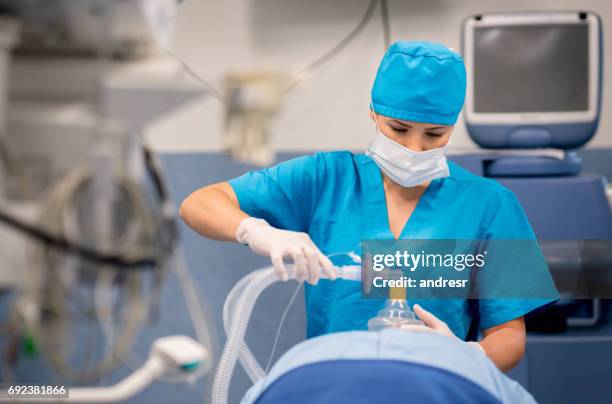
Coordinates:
[526,118]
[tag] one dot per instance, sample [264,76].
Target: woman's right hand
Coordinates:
[277,244]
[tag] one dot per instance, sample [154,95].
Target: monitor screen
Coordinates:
[543,68]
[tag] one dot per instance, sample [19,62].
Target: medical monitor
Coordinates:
[534,78]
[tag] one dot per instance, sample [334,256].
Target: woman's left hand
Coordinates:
[439,326]
[433,322]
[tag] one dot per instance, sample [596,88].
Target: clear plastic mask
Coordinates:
[396,313]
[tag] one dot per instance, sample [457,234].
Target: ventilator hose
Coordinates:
[235,338]
[247,359]
[236,314]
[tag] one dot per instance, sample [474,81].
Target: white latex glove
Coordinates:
[438,326]
[277,244]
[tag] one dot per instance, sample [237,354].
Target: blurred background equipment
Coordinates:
[88,230]
[548,105]
[252,99]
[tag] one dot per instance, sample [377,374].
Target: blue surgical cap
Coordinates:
[421,82]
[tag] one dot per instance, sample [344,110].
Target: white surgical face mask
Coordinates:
[404,166]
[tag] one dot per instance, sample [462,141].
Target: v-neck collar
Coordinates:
[377,209]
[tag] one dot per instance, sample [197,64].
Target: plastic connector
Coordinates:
[180,352]
[349,272]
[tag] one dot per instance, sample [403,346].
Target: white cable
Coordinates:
[280,326]
[356,259]
[121,391]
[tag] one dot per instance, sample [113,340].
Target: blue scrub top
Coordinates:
[338,199]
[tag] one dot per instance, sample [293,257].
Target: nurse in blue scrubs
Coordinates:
[402,187]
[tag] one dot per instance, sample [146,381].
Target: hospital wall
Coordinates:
[330,110]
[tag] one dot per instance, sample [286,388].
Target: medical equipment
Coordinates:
[236,314]
[89,231]
[395,314]
[252,100]
[175,353]
[135,27]
[253,97]
[537,108]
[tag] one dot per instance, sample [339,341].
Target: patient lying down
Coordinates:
[412,365]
